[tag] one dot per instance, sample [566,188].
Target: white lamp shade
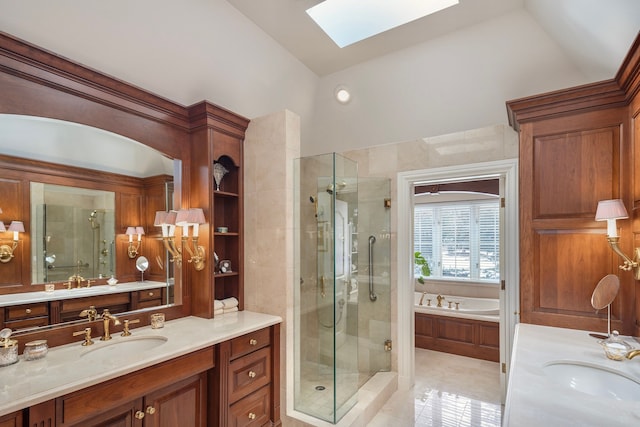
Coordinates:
[611,209]
[2,227]
[161,218]
[16,226]
[130,231]
[140,231]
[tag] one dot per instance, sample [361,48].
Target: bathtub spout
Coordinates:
[440,298]
[422,298]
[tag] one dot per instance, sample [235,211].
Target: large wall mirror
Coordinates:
[76,224]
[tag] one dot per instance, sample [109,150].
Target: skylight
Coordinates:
[349,21]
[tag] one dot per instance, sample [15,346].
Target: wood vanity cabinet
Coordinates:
[245,384]
[148,298]
[12,420]
[172,393]
[25,316]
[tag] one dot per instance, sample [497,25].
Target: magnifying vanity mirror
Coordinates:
[142,263]
[603,295]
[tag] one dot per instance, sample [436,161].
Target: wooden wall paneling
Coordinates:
[129,214]
[15,275]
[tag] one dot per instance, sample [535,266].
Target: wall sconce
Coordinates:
[132,231]
[611,210]
[192,218]
[6,251]
[167,220]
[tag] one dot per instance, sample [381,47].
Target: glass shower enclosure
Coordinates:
[336,285]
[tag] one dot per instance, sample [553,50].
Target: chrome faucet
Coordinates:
[106,319]
[633,353]
[90,313]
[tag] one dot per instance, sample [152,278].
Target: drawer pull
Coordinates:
[252,374]
[139,415]
[150,294]
[28,311]
[151,410]
[253,341]
[252,416]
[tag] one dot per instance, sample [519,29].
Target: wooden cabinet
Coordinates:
[156,396]
[25,316]
[577,147]
[245,383]
[71,308]
[148,298]
[12,420]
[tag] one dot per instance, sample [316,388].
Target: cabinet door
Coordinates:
[122,416]
[181,404]
[11,420]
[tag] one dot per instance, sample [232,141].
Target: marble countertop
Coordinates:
[59,294]
[63,370]
[533,399]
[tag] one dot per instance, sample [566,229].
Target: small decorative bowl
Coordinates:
[222,229]
[112,281]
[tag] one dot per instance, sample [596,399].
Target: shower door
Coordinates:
[326,347]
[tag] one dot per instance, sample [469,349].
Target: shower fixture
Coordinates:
[94,220]
[339,186]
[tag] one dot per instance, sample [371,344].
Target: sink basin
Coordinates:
[593,379]
[123,347]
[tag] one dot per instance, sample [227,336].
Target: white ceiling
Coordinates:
[288,23]
[593,41]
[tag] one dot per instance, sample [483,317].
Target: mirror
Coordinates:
[75,229]
[603,295]
[142,263]
[72,228]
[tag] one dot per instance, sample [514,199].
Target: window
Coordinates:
[459,240]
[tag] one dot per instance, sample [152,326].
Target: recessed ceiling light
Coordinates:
[342,94]
[349,21]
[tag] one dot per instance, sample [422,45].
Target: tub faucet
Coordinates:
[106,318]
[440,298]
[422,298]
[633,353]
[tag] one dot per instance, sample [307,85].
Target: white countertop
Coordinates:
[59,294]
[63,371]
[533,399]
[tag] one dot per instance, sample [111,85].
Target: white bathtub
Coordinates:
[487,309]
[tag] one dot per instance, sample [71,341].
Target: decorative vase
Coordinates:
[219,172]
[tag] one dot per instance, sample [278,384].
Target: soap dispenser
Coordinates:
[615,347]
[8,348]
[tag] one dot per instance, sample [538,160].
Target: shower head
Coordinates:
[94,220]
[339,186]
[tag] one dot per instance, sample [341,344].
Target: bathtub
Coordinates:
[487,309]
[471,329]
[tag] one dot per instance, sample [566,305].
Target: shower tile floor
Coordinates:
[449,391]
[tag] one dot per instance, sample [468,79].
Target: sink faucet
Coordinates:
[633,353]
[440,298]
[78,279]
[422,298]
[90,313]
[106,318]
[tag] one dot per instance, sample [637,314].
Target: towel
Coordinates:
[229,310]
[219,312]
[229,302]
[217,304]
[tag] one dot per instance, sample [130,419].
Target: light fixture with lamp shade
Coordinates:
[610,211]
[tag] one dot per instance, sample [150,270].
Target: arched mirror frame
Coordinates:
[35,82]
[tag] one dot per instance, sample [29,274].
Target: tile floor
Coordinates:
[449,391]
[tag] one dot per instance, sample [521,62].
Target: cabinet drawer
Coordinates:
[249,373]
[150,294]
[27,323]
[253,410]
[79,304]
[250,342]
[28,310]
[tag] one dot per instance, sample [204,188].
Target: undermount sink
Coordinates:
[122,347]
[594,380]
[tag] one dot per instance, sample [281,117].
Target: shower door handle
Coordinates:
[322,280]
[372,294]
